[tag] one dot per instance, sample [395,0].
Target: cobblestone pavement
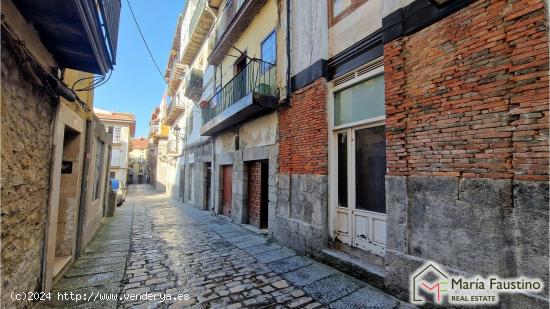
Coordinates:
[153,245]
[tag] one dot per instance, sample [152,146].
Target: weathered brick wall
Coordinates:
[302,184]
[303,132]
[468,96]
[26,131]
[254,192]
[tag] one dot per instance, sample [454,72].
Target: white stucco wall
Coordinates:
[360,23]
[309,36]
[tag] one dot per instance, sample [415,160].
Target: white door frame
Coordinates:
[373,241]
[334,210]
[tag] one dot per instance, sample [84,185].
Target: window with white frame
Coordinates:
[116,134]
[359,131]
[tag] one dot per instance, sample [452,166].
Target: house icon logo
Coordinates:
[428,280]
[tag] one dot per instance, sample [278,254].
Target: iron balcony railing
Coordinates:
[258,77]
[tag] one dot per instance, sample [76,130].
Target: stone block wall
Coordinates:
[201,153]
[302,209]
[26,128]
[240,160]
[467,145]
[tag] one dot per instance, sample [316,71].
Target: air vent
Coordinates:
[369,67]
[359,72]
[344,79]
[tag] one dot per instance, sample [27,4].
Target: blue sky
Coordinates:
[135,86]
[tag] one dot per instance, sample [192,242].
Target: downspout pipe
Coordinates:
[288,86]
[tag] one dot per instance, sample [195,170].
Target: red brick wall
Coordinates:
[254,193]
[303,132]
[468,96]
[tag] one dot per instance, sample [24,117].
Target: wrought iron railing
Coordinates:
[258,76]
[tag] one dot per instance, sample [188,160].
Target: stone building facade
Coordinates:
[49,149]
[137,161]
[403,132]
[26,112]
[122,127]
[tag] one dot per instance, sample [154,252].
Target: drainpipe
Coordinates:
[212,169]
[288,52]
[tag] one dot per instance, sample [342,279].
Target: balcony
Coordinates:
[175,69]
[193,84]
[175,78]
[174,110]
[232,22]
[160,133]
[200,24]
[250,93]
[80,34]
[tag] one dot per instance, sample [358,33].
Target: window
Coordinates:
[269,51]
[370,168]
[116,134]
[338,9]
[112,175]
[343,169]
[351,104]
[115,157]
[98,169]
[141,168]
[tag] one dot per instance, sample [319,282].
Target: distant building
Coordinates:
[138,168]
[122,127]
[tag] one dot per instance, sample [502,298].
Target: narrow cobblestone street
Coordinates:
[155,246]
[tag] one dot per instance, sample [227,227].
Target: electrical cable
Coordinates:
[145,42]
[85,78]
[98,83]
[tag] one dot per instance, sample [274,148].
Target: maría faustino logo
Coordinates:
[432,283]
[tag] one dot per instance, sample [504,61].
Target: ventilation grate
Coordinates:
[344,79]
[359,72]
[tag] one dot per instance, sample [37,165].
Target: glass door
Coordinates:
[361,209]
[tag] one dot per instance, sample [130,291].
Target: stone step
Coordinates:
[353,266]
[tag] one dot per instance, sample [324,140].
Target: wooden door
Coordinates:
[227,193]
[361,208]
